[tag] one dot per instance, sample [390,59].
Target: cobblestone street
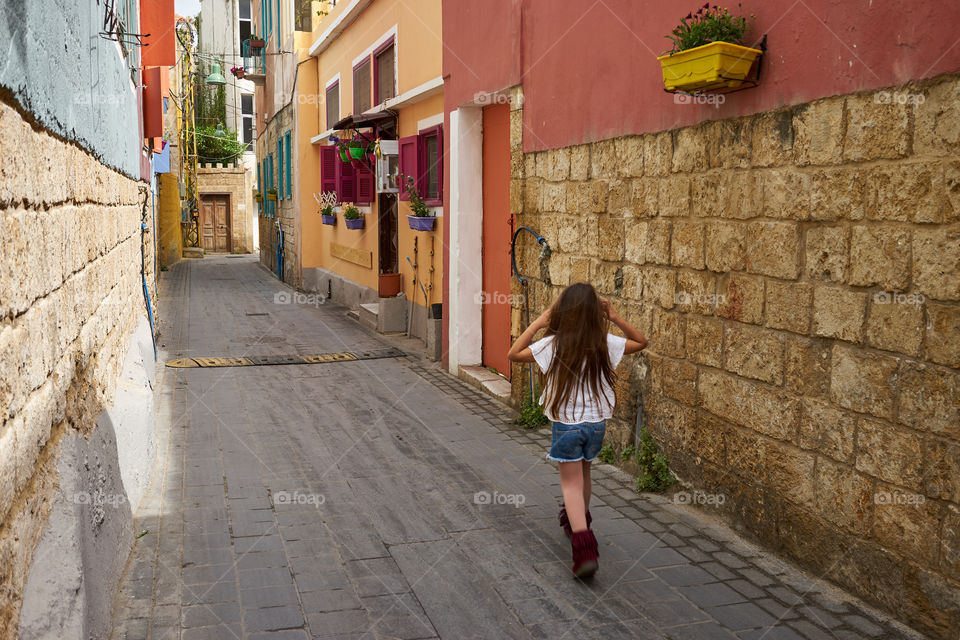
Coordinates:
[345,500]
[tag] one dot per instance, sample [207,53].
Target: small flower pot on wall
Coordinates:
[344,155]
[717,65]
[357,152]
[356,223]
[271,196]
[330,220]
[421,223]
[257,44]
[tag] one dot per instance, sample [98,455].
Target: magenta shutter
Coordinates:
[346,182]
[409,164]
[328,169]
[365,185]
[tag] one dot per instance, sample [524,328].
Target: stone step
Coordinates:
[368,314]
[486,381]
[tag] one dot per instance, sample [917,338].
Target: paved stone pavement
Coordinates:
[346,500]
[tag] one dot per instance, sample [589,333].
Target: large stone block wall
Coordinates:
[284,210]
[70,297]
[798,275]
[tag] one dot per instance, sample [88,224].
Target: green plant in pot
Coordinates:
[421,220]
[352,217]
[272,193]
[327,202]
[708,51]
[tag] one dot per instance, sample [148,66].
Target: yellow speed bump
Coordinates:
[257,361]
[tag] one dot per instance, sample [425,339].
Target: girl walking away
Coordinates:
[578,357]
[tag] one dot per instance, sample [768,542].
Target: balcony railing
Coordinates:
[254,59]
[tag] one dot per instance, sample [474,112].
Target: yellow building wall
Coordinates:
[168,219]
[419,59]
[407,126]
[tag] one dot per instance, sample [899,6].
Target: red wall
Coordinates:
[589,70]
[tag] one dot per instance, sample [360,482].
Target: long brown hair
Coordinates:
[578,324]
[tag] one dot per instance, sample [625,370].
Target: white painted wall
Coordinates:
[466,237]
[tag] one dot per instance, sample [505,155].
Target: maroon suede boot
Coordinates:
[565,521]
[585,553]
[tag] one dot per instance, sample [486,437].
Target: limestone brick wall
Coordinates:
[284,210]
[234,180]
[798,274]
[70,296]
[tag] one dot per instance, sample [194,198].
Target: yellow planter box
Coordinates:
[271,196]
[711,66]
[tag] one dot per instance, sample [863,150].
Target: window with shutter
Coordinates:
[365,184]
[328,169]
[361,87]
[259,190]
[333,105]
[430,184]
[409,164]
[280,168]
[384,84]
[286,142]
[346,182]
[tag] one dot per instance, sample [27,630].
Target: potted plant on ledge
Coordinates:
[238,72]
[272,193]
[352,217]
[327,201]
[708,52]
[421,220]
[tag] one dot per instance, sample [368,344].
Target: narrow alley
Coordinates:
[384,498]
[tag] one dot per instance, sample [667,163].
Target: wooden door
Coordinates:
[215,223]
[497,230]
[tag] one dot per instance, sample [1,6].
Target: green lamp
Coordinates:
[216,76]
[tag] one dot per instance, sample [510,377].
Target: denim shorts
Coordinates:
[574,442]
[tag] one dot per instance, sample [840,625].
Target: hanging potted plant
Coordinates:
[350,149]
[271,193]
[258,196]
[352,217]
[256,42]
[421,220]
[708,52]
[327,201]
[238,72]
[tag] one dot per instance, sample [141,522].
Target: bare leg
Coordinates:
[586,486]
[571,484]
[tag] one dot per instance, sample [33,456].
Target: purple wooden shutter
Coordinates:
[409,164]
[346,182]
[328,168]
[365,186]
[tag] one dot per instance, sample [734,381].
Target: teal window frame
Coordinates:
[286,138]
[279,167]
[260,189]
